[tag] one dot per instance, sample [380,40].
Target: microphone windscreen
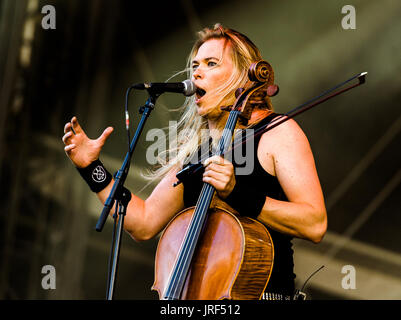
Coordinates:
[189,88]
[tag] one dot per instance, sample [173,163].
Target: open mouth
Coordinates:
[199,93]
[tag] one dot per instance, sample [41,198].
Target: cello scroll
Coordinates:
[260,85]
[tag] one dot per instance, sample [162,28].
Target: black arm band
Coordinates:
[248,203]
[96,176]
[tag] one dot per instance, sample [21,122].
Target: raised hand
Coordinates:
[81,150]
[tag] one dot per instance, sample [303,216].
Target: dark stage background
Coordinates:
[99,48]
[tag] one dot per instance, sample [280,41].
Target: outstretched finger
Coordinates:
[69,147]
[75,126]
[66,137]
[67,127]
[106,133]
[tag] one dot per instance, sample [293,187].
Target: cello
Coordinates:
[209,251]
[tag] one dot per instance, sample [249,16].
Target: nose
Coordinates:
[198,73]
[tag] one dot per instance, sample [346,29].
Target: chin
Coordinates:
[208,112]
[203,111]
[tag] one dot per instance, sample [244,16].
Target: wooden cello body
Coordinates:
[233,259]
[209,251]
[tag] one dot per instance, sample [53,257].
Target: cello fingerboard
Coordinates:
[182,264]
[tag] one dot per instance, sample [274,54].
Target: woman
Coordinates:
[284,181]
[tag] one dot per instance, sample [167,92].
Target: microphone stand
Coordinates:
[120,197]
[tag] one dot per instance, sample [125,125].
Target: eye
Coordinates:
[212,64]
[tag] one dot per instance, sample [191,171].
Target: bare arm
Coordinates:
[283,152]
[144,218]
[286,150]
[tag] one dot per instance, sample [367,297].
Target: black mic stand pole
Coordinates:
[121,197]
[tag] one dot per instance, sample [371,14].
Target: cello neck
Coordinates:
[180,270]
[228,131]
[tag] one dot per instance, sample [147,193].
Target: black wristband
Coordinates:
[248,202]
[96,176]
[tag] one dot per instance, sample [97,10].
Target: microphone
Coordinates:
[186,87]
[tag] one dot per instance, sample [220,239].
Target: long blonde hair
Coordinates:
[192,128]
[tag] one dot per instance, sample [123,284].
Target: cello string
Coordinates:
[172,286]
[185,248]
[190,235]
[199,216]
[197,219]
[183,256]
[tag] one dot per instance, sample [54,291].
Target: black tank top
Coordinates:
[282,276]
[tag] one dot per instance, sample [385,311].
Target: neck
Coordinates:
[219,123]
[216,125]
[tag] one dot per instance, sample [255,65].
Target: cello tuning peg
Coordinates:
[226,108]
[272,90]
[238,92]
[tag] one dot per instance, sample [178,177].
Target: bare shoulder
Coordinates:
[287,134]
[289,128]
[282,141]
[286,152]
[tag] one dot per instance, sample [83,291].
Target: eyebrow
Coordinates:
[206,59]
